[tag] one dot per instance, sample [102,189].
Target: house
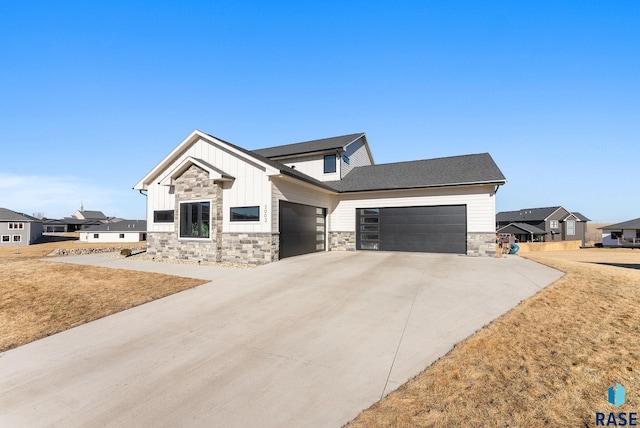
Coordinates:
[79,220]
[18,229]
[121,231]
[211,200]
[543,224]
[625,234]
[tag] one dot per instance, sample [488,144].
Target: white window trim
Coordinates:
[190,238]
[8,238]
[573,233]
[551,224]
[17,240]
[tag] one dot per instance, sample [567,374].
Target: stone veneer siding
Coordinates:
[481,244]
[254,248]
[193,185]
[342,241]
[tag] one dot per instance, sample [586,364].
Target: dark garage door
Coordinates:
[438,229]
[302,229]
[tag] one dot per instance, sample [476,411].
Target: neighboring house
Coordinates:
[211,200]
[121,231]
[18,229]
[79,220]
[543,224]
[625,234]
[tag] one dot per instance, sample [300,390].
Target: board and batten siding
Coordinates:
[297,193]
[251,187]
[479,200]
[313,166]
[357,153]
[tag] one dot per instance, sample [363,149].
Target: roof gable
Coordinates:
[306,147]
[214,173]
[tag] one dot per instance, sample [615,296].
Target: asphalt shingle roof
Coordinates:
[120,226]
[9,215]
[527,214]
[526,227]
[630,224]
[448,171]
[309,146]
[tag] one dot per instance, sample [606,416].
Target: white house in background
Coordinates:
[122,231]
[211,200]
[625,234]
[18,229]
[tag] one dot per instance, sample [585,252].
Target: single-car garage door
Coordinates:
[302,229]
[435,229]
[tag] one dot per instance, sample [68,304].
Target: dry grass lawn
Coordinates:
[39,298]
[548,362]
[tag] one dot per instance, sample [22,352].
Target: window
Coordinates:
[245,213]
[329,164]
[5,238]
[16,225]
[96,235]
[345,159]
[616,235]
[163,216]
[194,219]
[571,227]
[122,236]
[17,238]
[554,224]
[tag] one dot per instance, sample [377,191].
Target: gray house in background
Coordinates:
[18,229]
[547,224]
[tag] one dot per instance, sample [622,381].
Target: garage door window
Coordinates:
[369,228]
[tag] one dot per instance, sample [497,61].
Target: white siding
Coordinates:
[358,156]
[479,200]
[300,194]
[250,188]
[110,236]
[313,166]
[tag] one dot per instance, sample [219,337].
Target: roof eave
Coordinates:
[435,186]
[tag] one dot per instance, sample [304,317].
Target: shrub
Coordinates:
[125,252]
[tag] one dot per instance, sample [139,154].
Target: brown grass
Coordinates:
[39,298]
[548,362]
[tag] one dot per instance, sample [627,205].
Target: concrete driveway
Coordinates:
[307,341]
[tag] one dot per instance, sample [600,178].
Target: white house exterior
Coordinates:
[125,231]
[210,200]
[625,234]
[18,229]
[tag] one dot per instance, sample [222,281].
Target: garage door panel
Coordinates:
[302,229]
[440,229]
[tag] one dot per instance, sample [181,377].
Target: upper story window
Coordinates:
[329,164]
[345,159]
[245,213]
[571,227]
[16,225]
[194,219]
[554,224]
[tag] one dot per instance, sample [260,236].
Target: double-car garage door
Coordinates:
[433,229]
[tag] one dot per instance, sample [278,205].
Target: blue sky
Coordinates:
[94,94]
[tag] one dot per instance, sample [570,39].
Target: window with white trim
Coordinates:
[553,224]
[96,235]
[16,225]
[122,236]
[17,238]
[329,164]
[571,227]
[6,238]
[195,219]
